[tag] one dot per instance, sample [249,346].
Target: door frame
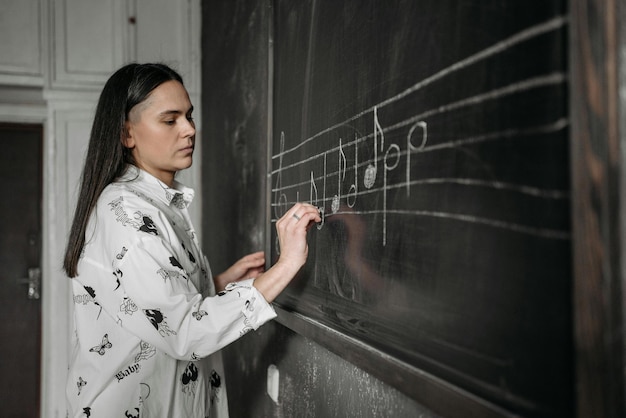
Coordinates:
[55,286]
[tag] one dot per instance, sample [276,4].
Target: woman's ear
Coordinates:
[127,137]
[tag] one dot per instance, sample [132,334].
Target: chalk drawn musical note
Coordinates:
[353,190]
[420,126]
[313,194]
[313,199]
[322,208]
[340,177]
[372,169]
[392,151]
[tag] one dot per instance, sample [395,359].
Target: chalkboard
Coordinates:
[433,136]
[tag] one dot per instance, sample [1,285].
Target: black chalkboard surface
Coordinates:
[433,135]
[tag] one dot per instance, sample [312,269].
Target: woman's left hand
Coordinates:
[247,267]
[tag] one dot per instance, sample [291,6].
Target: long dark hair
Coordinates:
[107,157]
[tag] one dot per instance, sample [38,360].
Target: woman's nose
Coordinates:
[189,129]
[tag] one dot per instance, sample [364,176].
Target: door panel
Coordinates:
[20,250]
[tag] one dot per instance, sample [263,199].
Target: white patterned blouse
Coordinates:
[147,322]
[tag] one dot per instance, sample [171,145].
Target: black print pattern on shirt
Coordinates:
[131,415]
[172,274]
[87,411]
[179,201]
[145,352]
[92,293]
[145,392]
[189,379]
[118,275]
[148,225]
[199,314]
[102,347]
[80,384]
[191,257]
[122,253]
[85,299]
[247,327]
[139,221]
[174,262]
[128,306]
[215,382]
[158,321]
[122,374]
[233,287]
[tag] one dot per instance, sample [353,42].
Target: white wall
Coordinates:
[55,56]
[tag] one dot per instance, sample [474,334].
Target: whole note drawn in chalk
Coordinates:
[415,137]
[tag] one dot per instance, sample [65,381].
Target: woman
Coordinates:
[145,305]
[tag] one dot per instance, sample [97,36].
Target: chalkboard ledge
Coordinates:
[434,393]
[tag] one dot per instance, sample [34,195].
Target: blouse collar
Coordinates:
[178,195]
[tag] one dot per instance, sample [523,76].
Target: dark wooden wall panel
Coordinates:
[521,313]
[598,205]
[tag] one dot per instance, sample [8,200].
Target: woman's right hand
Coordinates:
[292,230]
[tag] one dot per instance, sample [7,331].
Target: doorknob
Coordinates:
[33,281]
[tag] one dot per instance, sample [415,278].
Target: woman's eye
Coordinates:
[170,122]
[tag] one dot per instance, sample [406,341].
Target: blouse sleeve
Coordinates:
[149,293]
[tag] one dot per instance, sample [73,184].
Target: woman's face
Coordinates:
[161,132]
